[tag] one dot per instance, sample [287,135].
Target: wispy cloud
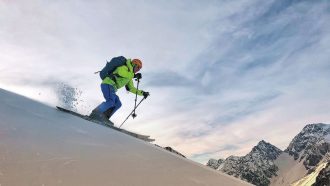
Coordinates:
[168,78]
[265,57]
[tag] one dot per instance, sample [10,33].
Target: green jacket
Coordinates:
[123,76]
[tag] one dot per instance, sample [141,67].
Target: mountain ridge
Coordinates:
[256,167]
[308,147]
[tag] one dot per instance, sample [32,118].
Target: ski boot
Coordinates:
[100,116]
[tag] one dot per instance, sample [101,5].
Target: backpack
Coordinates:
[111,66]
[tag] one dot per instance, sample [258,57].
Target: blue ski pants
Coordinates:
[111,99]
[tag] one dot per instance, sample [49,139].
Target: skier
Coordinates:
[121,76]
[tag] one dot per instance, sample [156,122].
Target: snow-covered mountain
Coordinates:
[311,144]
[268,165]
[40,145]
[257,167]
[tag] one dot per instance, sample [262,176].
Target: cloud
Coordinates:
[224,148]
[168,78]
[268,57]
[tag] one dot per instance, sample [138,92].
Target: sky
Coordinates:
[222,75]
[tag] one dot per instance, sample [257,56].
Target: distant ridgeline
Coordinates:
[263,166]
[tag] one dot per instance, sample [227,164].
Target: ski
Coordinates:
[85,117]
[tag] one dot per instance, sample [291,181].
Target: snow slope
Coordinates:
[310,178]
[40,145]
[289,170]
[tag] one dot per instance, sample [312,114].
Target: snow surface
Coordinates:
[290,170]
[40,145]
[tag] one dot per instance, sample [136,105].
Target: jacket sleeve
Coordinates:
[130,87]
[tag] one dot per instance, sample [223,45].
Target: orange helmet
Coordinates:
[137,62]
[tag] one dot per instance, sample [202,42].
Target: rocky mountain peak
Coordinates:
[311,144]
[256,167]
[320,129]
[266,150]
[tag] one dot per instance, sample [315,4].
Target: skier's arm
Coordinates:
[130,87]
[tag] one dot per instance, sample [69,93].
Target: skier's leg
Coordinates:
[109,96]
[99,113]
[117,106]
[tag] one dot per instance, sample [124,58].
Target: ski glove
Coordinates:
[145,94]
[138,75]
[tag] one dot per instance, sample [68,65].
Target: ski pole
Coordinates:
[137,89]
[132,112]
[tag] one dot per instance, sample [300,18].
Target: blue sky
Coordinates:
[222,75]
